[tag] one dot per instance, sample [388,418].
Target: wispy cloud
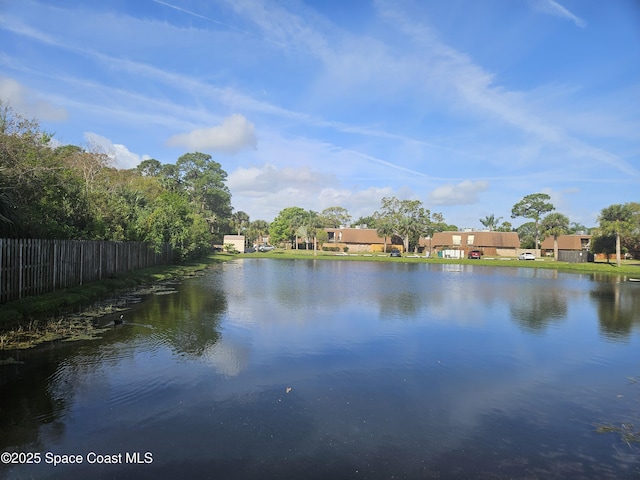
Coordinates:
[552,7]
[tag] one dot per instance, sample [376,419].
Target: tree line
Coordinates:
[71,192]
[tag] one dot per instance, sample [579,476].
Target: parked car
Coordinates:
[265,248]
[395,253]
[475,254]
[526,256]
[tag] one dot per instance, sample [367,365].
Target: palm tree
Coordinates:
[384,228]
[240,221]
[490,221]
[312,223]
[555,224]
[616,220]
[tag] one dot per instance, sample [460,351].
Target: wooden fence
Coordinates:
[32,267]
[575,256]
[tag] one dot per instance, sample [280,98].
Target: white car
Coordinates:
[526,256]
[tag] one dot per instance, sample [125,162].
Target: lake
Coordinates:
[302,369]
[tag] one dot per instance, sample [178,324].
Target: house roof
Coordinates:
[565,242]
[358,235]
[476,239]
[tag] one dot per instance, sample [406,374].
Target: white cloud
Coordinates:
[554,8]
[265,191]
[28,103]
[464,193]
[259,181]
[118,153]
[235,133]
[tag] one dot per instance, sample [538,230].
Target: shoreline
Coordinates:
[628,269]
[74,314]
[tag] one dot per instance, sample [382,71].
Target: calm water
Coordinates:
[266,369]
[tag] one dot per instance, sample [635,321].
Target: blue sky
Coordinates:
[464,105]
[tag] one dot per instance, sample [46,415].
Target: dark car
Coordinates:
[475,254]
[395,253]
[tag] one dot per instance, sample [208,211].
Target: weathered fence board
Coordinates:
[31,267]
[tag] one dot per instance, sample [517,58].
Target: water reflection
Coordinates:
[618,306]
[303,369]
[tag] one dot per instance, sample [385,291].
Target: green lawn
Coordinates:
[629,268]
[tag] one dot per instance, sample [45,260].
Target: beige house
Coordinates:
[360,240]
[459,244]
[237,241]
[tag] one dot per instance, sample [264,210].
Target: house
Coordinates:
[236,241]
[459,244]
[360,240]
[571,248]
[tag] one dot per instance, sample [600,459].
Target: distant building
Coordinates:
[360,240]
[459,244]
[236,240]
[571,248]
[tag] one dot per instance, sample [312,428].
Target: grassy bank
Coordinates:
[628,269]
[55,315]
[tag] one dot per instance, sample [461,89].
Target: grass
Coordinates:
[629,268]
[34,320]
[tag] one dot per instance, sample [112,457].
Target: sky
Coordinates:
[465,105]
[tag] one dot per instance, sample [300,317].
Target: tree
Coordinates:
[312,222]
[575,227]
[7,204]
[632,241]
[369,221]
[284,226]
[240,221]
[527,235]
[505,227]
[172,219]
[388,218]
[604,244]
[149,167]
[414,222]
[616,220]
[533,206]
[490,221]
[554,224]
[405,218]
[203,179]
[257,228]
[334,217]
[384,228]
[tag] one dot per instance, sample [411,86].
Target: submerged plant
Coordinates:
[628,433]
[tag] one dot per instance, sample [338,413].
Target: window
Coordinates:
[457,239]
[470,239]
